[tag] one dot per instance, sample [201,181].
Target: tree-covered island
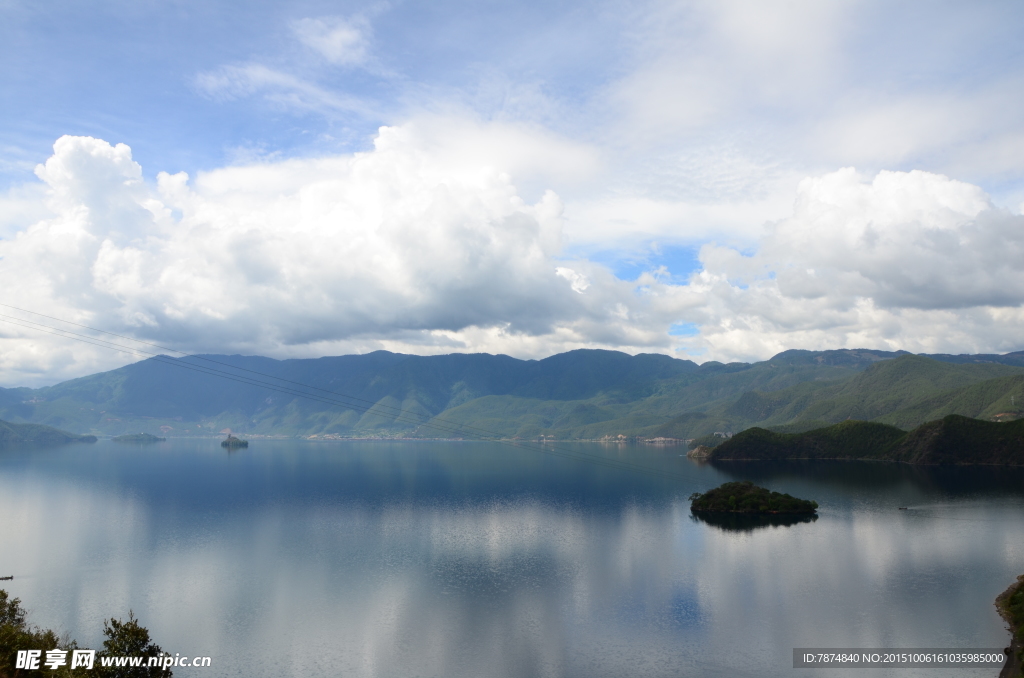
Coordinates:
[747,498]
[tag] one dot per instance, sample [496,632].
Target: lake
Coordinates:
[450,559]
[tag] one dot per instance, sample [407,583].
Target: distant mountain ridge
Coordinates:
[584,394]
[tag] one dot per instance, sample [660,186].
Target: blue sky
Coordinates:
[664,164]
[129,70]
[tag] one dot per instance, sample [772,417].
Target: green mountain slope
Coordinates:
[15,435]
[961,440]
[1000,397]
[585,394]
[951,440]
[577,394]
[906,391]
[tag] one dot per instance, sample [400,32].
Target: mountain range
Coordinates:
[584,394]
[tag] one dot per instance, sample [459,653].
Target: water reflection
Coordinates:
[738,522]
[874,476]
[468,560]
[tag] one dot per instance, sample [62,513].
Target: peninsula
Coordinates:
[138,438]
[14,435]
[951,440]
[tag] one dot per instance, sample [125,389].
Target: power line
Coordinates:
[328,397]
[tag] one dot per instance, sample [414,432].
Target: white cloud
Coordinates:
[973,129]
[298,87]
[700,66]
[21,205]
[406,247]
[282,89]
[426,245]
[907,260]
[579,282]
[811,86]
[340,41]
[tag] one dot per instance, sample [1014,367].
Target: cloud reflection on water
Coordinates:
[500,583]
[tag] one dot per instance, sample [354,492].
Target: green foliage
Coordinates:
[14,435]
[1013,607]
[962,440]
[799,426]
[123,638]
[1010,604]
[11,611]
[16,634]
[758,406]
[905,392]
[576,395]
[745,497]
[846,440]
[128,638]
[951,440]
[983,400]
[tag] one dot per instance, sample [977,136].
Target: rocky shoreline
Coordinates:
[1010,604]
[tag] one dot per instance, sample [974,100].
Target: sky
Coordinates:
[709,180]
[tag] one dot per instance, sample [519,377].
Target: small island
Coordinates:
[138,438]
[232,442]
[747,498]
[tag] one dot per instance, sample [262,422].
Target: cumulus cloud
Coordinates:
[425,244]
[395,248]
[906,260]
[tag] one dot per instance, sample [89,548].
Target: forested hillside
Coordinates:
[954,439]
[586,394]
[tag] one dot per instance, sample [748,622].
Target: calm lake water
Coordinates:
[477,560]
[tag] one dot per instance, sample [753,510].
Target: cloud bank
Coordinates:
[906,260]
[420,246]
[394,248]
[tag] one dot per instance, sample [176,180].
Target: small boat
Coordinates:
[7,578]
[903,508]
[232,442]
